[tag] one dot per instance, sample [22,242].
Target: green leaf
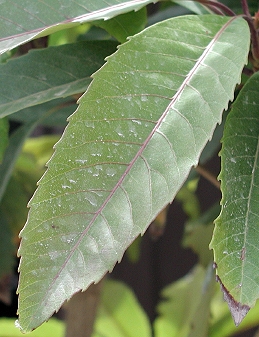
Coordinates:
[235,238]
[41,148]
[4,130]
[133,251]
[189,200]
[12,151]
[125,25]
[53,328]
[6,56]
[198,233]
[120,314]
[28,169]
[186,304]
[14,202]
[20,24]
[69,35]
[126,152]
[52,113]
[193,6]
[50,73]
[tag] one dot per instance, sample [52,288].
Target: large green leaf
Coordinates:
[236,236]
[46,74]
[126,152]
[34,18]
[119,313]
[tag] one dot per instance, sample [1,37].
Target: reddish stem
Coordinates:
[207,175]
[215,10]
[245,8]
[221,7]
[254,37]
[247,71]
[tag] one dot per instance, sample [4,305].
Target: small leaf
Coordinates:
[235,239]
[119,313]
[193,6]
[189,200]
[20,24]
[133,252]
[41,148]
[14,203]
[12,151]
[126,152]
[186,305]
[28,169]
[46,74]
[198,234]
[52,113]
[125,25]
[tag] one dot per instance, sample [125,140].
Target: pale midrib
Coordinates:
[248,213]
[140,151]
[94,15]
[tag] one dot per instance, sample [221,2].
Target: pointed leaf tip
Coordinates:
[237,310]
[109,175]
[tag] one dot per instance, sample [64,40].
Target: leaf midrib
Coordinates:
[140,151]
[247,215]
[98,14]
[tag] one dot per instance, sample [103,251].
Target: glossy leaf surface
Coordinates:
[50,73]
[34,18]
[126,152]
[236,234]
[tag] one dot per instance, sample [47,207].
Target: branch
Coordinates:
[217,7]
[245,8]
[208,175]
[81,312]
[254,37]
